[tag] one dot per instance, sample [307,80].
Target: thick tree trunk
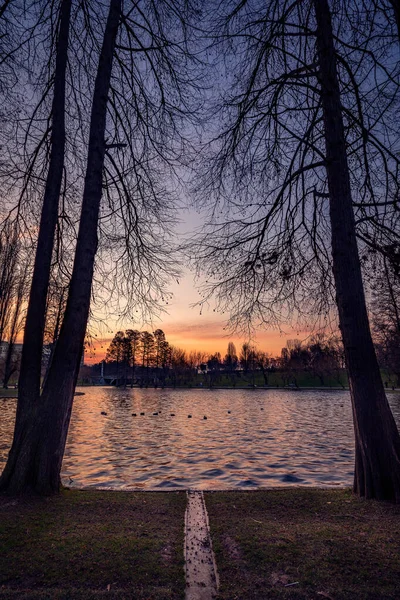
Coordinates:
[57,396]
[60,385]
[41,449]
[31,360]
[377,441]
[15,473]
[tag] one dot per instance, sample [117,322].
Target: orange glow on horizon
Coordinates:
[207,336]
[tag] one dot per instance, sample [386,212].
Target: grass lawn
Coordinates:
[93,545]
[328,544]
[9,393]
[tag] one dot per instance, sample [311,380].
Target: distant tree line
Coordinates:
[321,357]
[143,358]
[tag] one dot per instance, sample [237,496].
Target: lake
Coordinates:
[249,438]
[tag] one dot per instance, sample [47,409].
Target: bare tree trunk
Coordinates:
[40,453]
[14,475]
[31,360]
[59,389]
[377,441]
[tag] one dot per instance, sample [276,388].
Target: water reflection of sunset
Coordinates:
[251,438]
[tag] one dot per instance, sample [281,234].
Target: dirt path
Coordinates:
[200,568]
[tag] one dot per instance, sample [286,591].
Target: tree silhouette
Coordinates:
[139,101]
[231,360]
[133,339]
[305,166]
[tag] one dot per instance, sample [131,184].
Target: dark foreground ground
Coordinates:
[305,544]
[291,544]
[92,545]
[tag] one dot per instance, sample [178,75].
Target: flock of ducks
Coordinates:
[155,414]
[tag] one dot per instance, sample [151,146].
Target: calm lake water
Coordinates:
[251,438]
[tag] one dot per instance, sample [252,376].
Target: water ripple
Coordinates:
[251,438]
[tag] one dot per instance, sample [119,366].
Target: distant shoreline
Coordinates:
[13,394]
[241,388]
[218,387]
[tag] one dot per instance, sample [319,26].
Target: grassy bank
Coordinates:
[92,545]
[304,544]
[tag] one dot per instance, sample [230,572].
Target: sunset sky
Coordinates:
[186,328]
[183,324]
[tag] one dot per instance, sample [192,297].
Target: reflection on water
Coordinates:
[250,438]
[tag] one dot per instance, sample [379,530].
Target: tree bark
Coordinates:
[377,441]
[41,452]
[60,385]
[31,360]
